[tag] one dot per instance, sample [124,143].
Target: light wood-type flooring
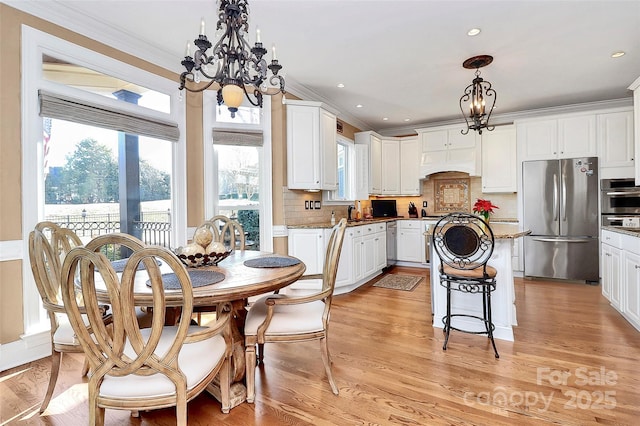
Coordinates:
[575,361]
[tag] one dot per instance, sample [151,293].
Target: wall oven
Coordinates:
[620,199]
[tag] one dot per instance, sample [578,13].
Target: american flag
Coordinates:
[46,136]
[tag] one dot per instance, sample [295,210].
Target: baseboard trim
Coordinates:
[29,348]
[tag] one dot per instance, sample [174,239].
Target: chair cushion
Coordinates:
[468,273]
[196,360]
[287,319]
[65,335]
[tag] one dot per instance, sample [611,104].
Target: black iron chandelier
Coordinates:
[234,65]
[475,96]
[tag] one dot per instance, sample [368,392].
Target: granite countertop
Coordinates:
[634,232]
[502,231]
[315,225]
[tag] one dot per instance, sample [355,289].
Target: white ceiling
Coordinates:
[399,59]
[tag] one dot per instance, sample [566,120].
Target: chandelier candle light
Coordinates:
[484,208]
[475,94]
[233,64]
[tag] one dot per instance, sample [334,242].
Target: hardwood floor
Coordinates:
[574,362]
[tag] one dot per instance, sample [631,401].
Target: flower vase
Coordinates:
[485,216]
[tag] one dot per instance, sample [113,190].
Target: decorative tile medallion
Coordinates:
[451,195]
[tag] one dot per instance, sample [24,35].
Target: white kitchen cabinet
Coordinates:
[373,142]
[362,257]
[615,141]
[308,245]
[311,146]
[620,261]
[410,241]
[631,307]
[611,274]
[558,137]
[635,86]
[410,166]
[390,161]
[362,172]
[499,160]
[445,149]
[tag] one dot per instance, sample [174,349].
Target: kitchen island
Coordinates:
[502,299]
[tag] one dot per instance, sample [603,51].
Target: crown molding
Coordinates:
[112,36]
[299,90]
[509,118]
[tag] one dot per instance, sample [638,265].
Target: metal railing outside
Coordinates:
[155,226]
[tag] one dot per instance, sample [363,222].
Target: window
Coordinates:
[238,167]
[74,123]
[346,173]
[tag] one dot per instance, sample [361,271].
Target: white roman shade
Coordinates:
[93,114]
[237,137]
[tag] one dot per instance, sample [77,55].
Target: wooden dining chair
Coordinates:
[281,318]
[115,245]
[48,245]
[143,369]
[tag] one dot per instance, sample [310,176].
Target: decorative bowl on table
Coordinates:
[195,255]
[201,259]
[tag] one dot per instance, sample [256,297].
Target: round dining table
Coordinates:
[240,282]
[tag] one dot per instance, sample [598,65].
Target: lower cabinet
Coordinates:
[410,241]
[620,257]
[363,255]
[631,265]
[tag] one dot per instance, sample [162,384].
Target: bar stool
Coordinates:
[464,242]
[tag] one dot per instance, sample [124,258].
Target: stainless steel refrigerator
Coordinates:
[561,210]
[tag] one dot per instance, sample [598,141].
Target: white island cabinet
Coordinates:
[502,299]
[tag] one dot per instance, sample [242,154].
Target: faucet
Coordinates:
[349,210]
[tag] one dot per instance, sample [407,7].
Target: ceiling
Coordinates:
[398,59]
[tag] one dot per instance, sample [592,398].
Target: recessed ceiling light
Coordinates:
[359,106]
[617,54]
[473,32]
[340,85]
[407,119]
[385,119]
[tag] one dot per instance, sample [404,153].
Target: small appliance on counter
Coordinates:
[384,208]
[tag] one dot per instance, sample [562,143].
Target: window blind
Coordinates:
[92,114]
[237,137]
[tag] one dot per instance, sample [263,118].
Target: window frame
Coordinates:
[35,43]
[330,197]
[209,123]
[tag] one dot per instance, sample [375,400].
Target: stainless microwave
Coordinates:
[620,196]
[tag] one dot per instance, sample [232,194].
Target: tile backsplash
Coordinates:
[295,214]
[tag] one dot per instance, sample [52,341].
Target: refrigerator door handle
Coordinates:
[555,197]
[564,198]
[562,240]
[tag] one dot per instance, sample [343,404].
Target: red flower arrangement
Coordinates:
[484,207]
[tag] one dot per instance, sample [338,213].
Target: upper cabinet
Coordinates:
[410,166]
[390,161]
[373,142]
[499,161]
[635,86]
[393,164]
[447,149]
[562,137]
[311,146]
[615,144]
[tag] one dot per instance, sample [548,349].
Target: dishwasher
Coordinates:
[392,230]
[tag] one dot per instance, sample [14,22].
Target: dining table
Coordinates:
[236,278]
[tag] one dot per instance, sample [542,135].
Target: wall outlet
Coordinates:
[306,204]
[424,204]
